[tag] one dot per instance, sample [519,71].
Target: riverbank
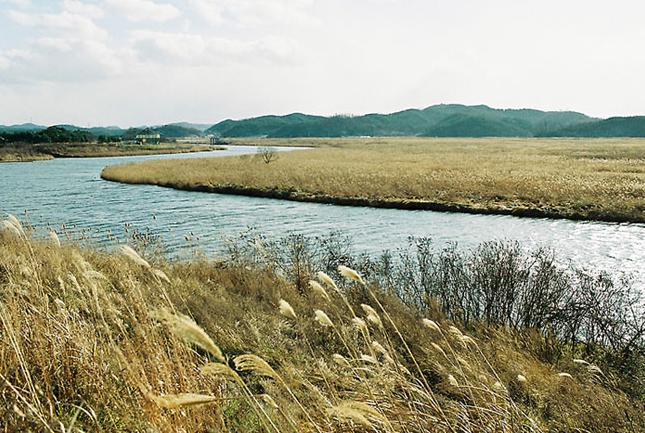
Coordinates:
[602,180]
[39,152]
[127,342]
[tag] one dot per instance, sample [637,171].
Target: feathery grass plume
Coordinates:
[452,381]
[260,367]
[93,275]
[176,401]
[360,323]
[372,315]
[74,281]
[580,362]
[268,400]
[340,360]
[498,386]
[455,331]
[161,275]
[13,220]
[185,328]
[286,309]
[322,318]
[565,375]
[54,238]
[227,373]
[80,262]
[356,412]
[438,348]
[59,303]
[257,365]
[594,369]
[16,223]
[466,340]
[326,279]
[368,358]
[521,378]
[378,347]
[7,227]
[18,412]
[350,274]
[431,324]
[221,370]
[318,290]
[463,362]
[131,254]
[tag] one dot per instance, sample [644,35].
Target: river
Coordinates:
[69,191]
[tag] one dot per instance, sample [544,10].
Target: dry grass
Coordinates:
[104,150]
[17,153]
[28,152]
[597,179]
[93,341]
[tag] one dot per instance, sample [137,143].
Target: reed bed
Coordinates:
[18,152]
[597,179]
[112,341]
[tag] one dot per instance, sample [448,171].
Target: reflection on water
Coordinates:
[70,192]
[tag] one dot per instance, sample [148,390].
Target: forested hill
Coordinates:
[438,120]
[75,134]
[612,127]
[445,120]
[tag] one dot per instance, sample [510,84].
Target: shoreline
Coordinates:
[401,204]
[110,153]
[32,159]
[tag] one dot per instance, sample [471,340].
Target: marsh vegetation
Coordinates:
[592,179]
[298,335]
[30,152]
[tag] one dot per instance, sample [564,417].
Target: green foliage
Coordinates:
[53,134]
[166,131]
[612,127]
[438,120]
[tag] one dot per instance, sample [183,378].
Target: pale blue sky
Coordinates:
[131,62]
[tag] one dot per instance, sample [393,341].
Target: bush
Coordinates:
[497,283]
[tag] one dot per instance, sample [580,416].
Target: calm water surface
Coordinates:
[70,192]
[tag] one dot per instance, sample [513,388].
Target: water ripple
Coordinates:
[70,192]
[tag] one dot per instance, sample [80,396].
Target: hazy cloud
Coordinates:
[18,3]
[204,60]
[85,9]
[200,50]
[145,10]
[63,22]
[60,59]
[255,12]
[4,63]
[63,46]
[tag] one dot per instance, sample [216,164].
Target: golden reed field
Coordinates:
[595,179]
[95,341]
[30,152]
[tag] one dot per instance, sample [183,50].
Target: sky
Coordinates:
[136,62]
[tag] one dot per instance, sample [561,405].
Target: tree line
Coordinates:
[53,134]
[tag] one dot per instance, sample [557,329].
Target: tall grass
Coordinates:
[497,283]
[96,341]
[602,179]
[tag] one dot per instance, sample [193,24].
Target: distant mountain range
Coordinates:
[435,121]
[445,120]
[173,130]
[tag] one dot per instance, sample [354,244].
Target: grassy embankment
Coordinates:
[93,341]
[591,179]
[19,153]
[28,152]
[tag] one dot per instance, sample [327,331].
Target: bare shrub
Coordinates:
[267,154]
